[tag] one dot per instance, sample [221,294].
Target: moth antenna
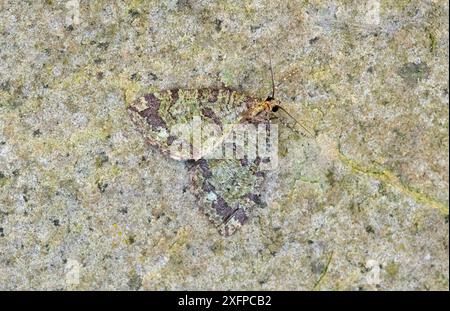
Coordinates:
[273,95]
[296,121]
[271,74]
[289,75]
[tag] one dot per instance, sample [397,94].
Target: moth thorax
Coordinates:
[271,105]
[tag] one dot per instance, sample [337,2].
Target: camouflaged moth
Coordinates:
[227,189]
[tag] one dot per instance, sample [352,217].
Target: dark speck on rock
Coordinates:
[412,73]
[218,24]
[133,13]
[135,281]
[2,234]
[369,229]
[101,159]
[56,222]
[123,210]
[183,4]
[37,133]
[262,282]
[103,45]
[135,77]
[5,86]
[102,186]
[313,40]
[254,28]
[317,267]
[152,76]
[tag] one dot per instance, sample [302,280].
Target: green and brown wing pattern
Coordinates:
[156,115]
[228,191]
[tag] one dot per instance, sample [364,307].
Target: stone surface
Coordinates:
[85,204]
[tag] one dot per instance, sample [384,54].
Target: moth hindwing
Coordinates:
[228,191]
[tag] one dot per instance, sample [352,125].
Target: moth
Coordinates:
[227,189]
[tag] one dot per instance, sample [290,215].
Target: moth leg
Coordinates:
[261,118]
[273,117]
[291,126]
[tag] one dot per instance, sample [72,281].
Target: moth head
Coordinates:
[271,104]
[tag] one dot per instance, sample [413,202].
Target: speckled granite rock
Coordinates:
[85,204]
